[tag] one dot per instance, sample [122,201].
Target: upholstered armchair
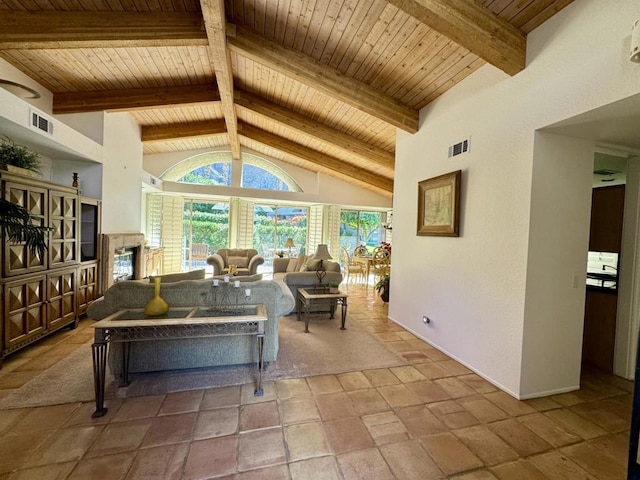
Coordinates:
[246,261]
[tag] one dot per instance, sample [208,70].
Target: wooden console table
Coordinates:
[132,325]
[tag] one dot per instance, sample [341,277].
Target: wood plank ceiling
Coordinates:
[322,84]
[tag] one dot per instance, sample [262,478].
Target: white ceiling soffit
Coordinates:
[616,124]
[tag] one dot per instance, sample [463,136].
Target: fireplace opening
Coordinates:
[124,261]
[127,267]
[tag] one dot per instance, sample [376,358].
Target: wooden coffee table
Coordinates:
[318,296]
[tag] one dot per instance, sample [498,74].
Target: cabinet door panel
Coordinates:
[25,312]
[91,293]
[61,297]
[63,211]
[87,286]
[18,259]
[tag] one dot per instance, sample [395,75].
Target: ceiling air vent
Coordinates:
[41,123]
[459,148]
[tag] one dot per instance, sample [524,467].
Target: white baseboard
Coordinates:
[486,377]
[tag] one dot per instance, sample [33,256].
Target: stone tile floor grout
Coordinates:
[430,419]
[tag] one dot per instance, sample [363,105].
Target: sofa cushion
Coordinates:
[293,265]
[177,277]
[312,265]
[302,262]
[240,262]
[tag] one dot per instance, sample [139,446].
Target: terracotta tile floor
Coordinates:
[432,419]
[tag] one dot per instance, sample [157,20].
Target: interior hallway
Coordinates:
[432,419]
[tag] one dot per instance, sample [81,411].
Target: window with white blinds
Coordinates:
[332,230]
[172,233]
[153,220]
[245,224]
[315,227]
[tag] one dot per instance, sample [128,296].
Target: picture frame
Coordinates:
[439,205]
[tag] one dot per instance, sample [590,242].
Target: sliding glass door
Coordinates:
[205,230]
[273,225]
[360,228]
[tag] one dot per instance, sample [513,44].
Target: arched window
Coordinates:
[215,168]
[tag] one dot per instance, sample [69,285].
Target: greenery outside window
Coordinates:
[273,224]
[204,223]
[216,168]
[260,173]
[360,228]
[211,174]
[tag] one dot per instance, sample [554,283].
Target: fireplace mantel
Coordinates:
[114,241]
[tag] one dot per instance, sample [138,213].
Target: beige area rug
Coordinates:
[326,349]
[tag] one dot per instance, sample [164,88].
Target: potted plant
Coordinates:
[280,253]
[333,287]
[17,225]
[382,287]
[14,157]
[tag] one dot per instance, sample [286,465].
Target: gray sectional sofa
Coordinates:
[196,352]
[300,272]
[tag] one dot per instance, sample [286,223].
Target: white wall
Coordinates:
[557,264]
[90,124]
[122,175]
[317,187]
[89,176]
[11,73]
[481,289]
[629,277]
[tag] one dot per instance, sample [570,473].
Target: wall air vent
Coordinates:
[459,148]
[39,122]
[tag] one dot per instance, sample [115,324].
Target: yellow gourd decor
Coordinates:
[156,306]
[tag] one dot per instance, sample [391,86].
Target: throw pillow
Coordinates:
[302,260]
[312,265]
[292,266]
[240,262]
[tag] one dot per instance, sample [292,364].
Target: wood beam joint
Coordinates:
[474,27]
[176,131]
[84,29]
[133,98]
[323,78]
[319,162]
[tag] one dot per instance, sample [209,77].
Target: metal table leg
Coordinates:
[298,307]
[99,350]
[344,313]
[260,338]
[306,318]
[124,375]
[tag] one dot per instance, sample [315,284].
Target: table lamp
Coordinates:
[289,244]
[322,253]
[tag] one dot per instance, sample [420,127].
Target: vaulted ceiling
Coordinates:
[322,84]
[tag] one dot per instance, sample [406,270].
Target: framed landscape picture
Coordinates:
[439,205]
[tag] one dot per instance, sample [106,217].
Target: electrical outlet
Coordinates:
[426,320]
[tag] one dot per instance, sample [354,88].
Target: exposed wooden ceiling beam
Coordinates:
[174,131]
[133,98]
[319,162]
[215,26]
[474,27]
[323,78]
[309,127]
[19,29]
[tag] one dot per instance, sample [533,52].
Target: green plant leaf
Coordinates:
[18,155]
[18,226]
